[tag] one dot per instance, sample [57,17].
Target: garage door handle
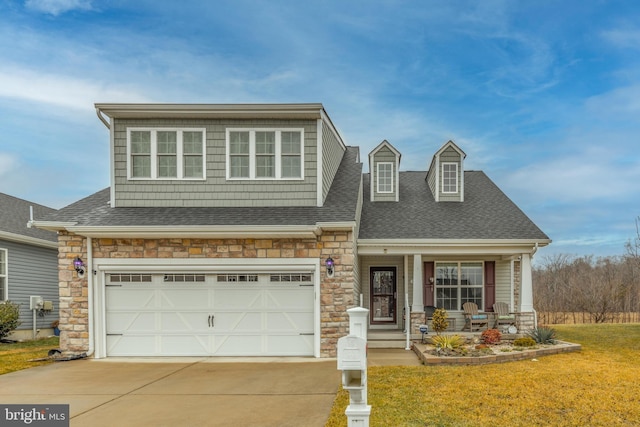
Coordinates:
[212,321]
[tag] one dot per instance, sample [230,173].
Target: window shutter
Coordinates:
[428,297]
[489,285]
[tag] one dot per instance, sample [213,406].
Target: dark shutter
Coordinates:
[489,285]
[427,294]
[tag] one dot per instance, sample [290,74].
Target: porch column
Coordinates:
[526,293]
[417,305]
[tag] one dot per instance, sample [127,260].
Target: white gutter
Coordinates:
[102,119]
[19,238]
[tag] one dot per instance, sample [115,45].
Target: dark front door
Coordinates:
[383,295]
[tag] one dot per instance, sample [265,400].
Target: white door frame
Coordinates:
[102,266]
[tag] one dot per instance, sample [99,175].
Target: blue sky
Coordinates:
[544,96]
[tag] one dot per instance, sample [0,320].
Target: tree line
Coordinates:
[603,289]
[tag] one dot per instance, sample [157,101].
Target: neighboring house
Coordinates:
[28,265]
[242,230]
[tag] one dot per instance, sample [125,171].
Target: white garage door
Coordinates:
[210,314]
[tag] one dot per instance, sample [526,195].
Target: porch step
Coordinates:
[386,339]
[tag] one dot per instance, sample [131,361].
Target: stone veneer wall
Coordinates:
[336,293]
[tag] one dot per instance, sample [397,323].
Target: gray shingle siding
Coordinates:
[332,152]
[215,190]
[341,205]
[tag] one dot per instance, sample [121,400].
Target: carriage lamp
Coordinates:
[79,266]
[329,264]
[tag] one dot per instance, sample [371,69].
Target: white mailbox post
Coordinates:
[352,361]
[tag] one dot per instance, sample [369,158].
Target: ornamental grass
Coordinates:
[598,386]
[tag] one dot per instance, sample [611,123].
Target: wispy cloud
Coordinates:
[623,38]
[57,7]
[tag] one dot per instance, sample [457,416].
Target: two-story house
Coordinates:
[242,230]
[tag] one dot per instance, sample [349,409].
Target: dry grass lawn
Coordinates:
[14,357]
[599,386]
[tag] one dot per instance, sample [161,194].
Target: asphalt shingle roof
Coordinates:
[339,206]
[14,214]
[486,213]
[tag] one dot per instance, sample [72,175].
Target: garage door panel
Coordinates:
[122,297]
[290,298]
[131,345]
[237,298]
[185,322]
[185,345]
[293,322]
[131,321]
[239,345]
[237,321]
[185,299]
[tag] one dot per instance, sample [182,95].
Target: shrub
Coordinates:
[524,342]
[439,320]
[9,314]
[543,335]
[447,341]
[491,336]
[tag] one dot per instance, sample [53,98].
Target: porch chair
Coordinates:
[473,318]
[503,316]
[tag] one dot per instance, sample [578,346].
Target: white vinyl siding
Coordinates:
[3,274]
[449,178]
[265,154]
[165,154]
[385,177]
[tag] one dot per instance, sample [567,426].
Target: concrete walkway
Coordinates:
[189,391]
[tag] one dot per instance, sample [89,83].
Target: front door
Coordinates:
[383,295]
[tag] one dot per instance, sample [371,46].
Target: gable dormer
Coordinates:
[446,174]
[384,162]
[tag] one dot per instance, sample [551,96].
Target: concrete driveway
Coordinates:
[181,392]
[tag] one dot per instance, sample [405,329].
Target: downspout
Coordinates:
[106,123]
[92,346]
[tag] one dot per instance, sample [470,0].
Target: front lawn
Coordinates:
[16,356]
[598,386]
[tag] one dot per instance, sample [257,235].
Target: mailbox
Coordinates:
[352,361]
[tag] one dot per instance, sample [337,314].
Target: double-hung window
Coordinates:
[3,274]
[264,154]
[163,154]
[459,282]
[385,177]
[449,177]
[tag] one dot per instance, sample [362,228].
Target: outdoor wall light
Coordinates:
[329,264]
[79,266]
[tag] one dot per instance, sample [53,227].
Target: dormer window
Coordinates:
[385,177]
[449,178]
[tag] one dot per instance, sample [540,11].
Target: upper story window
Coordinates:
[449,177]
[459,282]
[3,274]
[265,154]
[385,177]
[159,153]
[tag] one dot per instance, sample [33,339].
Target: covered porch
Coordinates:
[399,280]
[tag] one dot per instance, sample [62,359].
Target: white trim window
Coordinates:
[265,154]
[166,153]
[4,262]
[449,178]
[385,177]
[459,282]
